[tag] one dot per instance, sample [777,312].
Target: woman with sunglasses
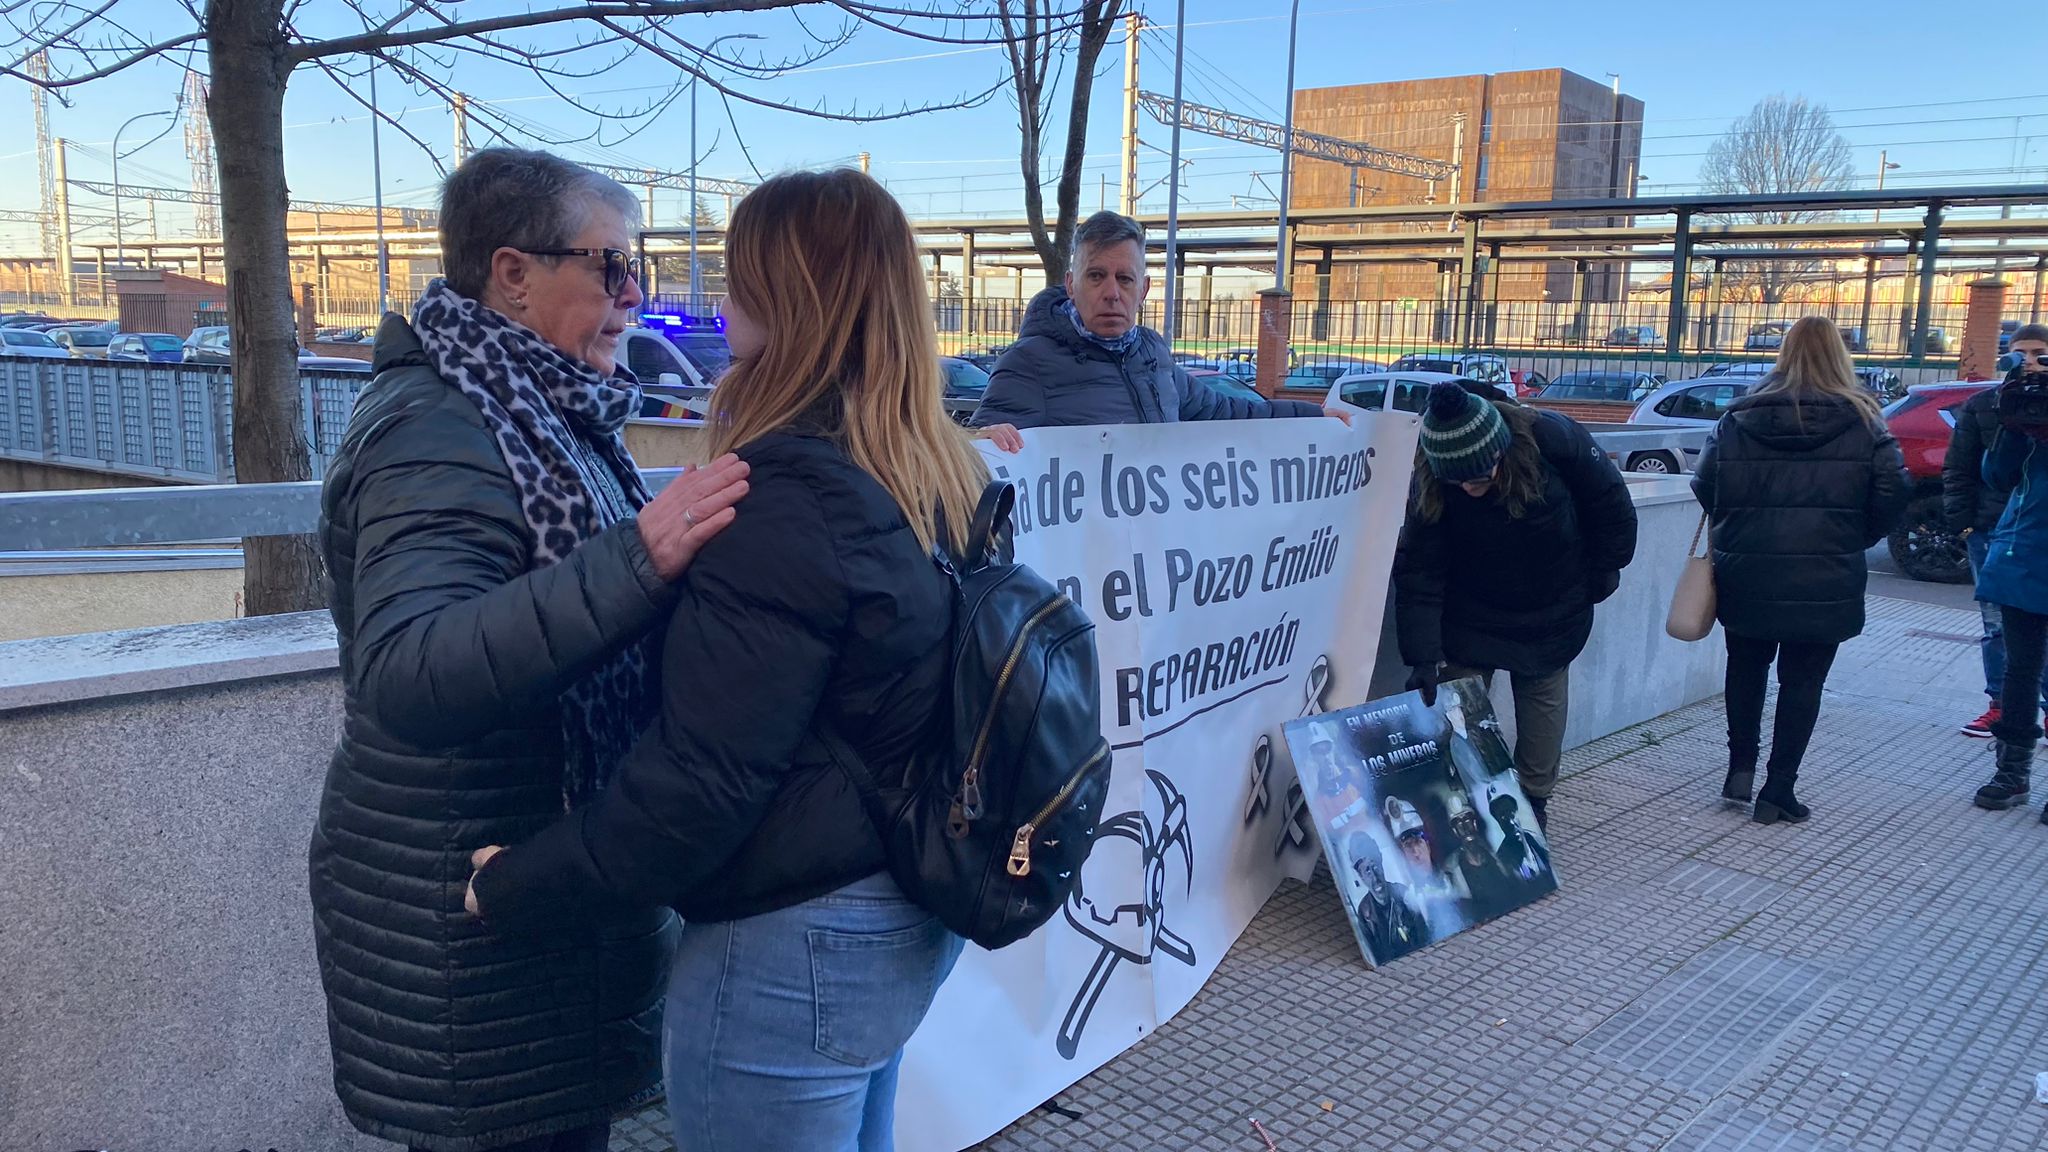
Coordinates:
[499,570]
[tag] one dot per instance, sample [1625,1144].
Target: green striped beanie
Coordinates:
[1463,436]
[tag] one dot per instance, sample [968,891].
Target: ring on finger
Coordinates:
[689,517]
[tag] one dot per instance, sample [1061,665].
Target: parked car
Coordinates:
[1315,373]
[1232,369]
[1882,381]
[1528,382]
[22,342]
[1635,336]
[209,345]
[1937,341]
[24,319]
[700,343]
[1767,337]
[153,347]
[1396,390]
[1223,382]
[83,341]
[1692,403]
[985,358]
[1923,420]
[345,335]
[965,384]
[1602,385]
[1482,366]
[1856,339]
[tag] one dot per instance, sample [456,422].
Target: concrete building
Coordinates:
[1548,134]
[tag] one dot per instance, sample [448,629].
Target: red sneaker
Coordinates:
[1981,726]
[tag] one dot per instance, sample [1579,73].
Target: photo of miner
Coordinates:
[1421,815]
[1386,922]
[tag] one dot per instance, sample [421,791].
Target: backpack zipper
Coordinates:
[1020,847]
[967,805]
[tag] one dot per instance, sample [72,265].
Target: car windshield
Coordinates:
[30,340]
[89,337]
[1904,404]
[161,343]
[708,352]
[1426,364]
[964,377]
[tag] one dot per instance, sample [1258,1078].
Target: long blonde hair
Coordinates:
[1813,361]
[826,264]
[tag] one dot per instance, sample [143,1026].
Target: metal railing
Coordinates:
[155,421]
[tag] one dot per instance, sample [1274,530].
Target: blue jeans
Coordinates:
[784,1031]
[1993,644]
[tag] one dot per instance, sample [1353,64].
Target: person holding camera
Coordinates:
[2014,576]
[1972,509]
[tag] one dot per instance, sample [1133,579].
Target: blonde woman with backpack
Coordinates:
[1798,481]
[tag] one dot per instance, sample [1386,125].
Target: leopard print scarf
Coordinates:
[560,426]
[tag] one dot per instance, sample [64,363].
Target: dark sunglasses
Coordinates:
[618,266]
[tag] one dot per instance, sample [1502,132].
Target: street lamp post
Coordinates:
[120,248]
[1884,165]
[696,286]
[1282,252]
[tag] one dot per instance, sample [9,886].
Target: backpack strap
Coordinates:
[989,535]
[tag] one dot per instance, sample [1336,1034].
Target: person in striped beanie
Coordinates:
[1517,526]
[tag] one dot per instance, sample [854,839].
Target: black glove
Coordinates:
[1424,679]
[1603,585]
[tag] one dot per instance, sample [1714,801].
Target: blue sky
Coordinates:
[1931,91]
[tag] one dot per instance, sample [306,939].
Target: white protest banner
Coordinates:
[1236,573]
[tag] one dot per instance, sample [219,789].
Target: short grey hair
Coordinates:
[517,198]
[1104,229]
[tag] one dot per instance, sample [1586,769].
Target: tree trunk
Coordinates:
[1094,35]
[246,49]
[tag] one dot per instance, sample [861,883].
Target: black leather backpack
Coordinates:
[987,830]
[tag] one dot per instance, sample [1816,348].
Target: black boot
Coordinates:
[2008,787]
[1741,779]
[1541,804]
[1775,802]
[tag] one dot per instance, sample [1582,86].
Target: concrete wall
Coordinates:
[36,476]
[157,793]
[32,606]
[160,988]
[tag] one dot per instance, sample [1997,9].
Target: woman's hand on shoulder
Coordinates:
[477,860]
[690,511]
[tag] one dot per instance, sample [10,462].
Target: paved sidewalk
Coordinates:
[1874,979]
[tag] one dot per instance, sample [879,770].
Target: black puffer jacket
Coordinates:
[1486,590]
[453,656]
[1795,492]
[1054,377]
[817,601]
[1967,502]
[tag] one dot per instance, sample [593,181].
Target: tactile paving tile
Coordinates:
[1700,1026]
[1724,885]
[1726,1126]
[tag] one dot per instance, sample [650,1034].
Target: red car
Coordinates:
[1923,419]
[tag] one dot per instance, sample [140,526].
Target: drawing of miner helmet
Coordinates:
[1406,824]
[1331,775]
[1367,864]
[1464,821]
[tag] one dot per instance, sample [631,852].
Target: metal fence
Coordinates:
[159,421]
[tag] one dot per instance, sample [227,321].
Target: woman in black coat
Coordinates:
[1518,525]
[1798,481]
[803,968]
[497,573]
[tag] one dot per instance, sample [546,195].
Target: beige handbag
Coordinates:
[1692,606]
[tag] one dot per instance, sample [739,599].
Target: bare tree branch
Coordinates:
[1782,145]
[371,41]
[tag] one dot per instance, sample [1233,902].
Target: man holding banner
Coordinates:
[1082,357]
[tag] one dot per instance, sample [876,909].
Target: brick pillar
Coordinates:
[1276,314]
[1980,329]
[309,316]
